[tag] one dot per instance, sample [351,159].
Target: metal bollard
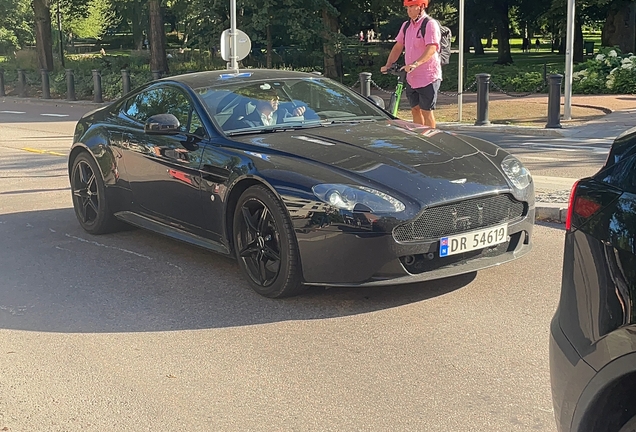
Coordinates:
[125,81]
[554,102]
[2,92]
[46,86]
[22,90]
[156,75]
[483,90]
[70,85]
[97,86]
[365,83]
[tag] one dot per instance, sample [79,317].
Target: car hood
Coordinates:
[425,164]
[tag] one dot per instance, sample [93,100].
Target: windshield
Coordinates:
[271,105]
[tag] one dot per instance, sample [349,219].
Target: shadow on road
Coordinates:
[57,278]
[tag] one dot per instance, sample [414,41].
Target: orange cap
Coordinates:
[416,3]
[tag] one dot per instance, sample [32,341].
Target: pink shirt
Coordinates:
[414,46]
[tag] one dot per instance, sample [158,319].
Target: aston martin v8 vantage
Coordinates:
[302,180]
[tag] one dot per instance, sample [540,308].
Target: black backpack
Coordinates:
[444,41]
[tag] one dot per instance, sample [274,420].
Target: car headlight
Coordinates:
[516,172]
[347,197]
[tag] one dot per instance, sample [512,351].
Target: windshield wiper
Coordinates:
[277,128]
[348,120]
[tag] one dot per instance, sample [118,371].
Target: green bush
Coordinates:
[8,41]
[608,72]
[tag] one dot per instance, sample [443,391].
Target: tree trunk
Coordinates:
[43,35]
[620,27]
[489,40]
[138,37]
[503,34]
[578,56]
[158,60]
[329,46]
[479,47]
[270,46]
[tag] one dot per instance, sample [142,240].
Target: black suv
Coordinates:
[593,333]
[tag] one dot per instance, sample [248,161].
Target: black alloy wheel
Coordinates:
[89,196]
[265,244]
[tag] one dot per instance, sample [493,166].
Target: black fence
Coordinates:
[28,83]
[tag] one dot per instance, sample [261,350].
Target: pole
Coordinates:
[483,92]
[46,85]
[365,83]
[233,41]
[554,102]
[59,29]
[460,75]
[569,51]
[70,85]
[125,82]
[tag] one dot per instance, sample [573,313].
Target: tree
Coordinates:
[16,22]
[92,21]
[43,38]
[620,26]
[158,59]
[501,9]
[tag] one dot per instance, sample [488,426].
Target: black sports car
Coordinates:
[304,181]
[593,333]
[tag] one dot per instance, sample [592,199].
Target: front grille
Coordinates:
[459,217]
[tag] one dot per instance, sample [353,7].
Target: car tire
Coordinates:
[89,196]
[630,426]
[265,245]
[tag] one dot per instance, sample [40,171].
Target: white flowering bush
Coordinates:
[609,71]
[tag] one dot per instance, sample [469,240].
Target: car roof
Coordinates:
[221,77]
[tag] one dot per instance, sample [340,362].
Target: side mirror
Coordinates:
[162,124]
[377,100]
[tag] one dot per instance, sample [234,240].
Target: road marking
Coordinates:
[12,112]
[539,158]
[55,115]
[52,153]
[32,150]
[108,247]
[564,148]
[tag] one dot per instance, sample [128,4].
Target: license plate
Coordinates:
[473,240]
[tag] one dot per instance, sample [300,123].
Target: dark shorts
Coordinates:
[424,97]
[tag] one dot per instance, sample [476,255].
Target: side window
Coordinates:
[135,108]
[622,175]
[196,125]
[166,100]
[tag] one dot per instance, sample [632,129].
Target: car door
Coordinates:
[163,170]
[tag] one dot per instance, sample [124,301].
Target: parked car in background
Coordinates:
[593,333]
[302,180]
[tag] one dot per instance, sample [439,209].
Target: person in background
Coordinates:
[421,55]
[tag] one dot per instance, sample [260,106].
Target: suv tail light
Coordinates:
[582,206]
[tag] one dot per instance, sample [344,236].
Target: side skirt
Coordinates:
[163,229]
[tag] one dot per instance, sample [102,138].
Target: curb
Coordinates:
[551,212]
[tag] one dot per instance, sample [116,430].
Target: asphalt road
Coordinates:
[133,331]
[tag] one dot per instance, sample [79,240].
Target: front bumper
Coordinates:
[339,258]
[569,376]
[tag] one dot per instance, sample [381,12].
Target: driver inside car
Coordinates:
[266,111]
